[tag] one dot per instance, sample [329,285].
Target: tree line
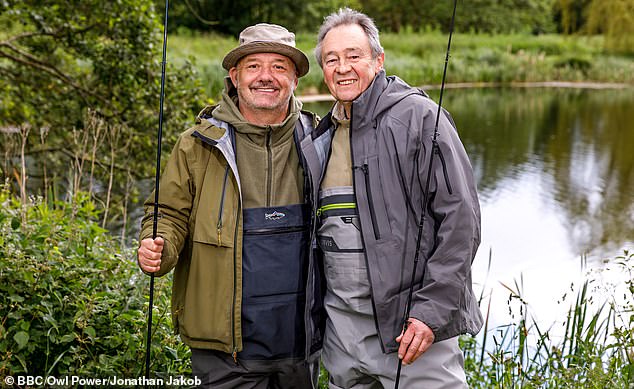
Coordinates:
[479,16]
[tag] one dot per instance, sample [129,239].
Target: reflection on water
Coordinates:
[573,148]
[555,171]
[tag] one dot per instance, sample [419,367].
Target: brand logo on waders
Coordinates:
[274,215]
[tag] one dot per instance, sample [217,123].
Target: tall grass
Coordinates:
[596,349]
[418,58]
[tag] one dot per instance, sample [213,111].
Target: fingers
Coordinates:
[415,341]
[149,254]
[405,341]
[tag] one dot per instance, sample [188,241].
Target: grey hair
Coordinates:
[346,16]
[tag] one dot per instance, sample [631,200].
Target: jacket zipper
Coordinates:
[444,168]
[222,203]
[308,330]
[269,174]
[367,264]
[235,282]
[368,190]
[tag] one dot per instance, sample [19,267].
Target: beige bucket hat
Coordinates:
[267,38]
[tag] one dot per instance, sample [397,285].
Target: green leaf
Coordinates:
[90,331]
[67,338]
[15,223]
[16,299]
[171,353]
[21,338]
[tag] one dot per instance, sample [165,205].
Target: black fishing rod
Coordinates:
[434,150]
[157,177]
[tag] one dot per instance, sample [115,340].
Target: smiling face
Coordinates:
[347,63]
[265,83]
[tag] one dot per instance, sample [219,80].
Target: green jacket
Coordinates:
[200,218]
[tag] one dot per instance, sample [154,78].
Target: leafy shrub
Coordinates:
[73,302]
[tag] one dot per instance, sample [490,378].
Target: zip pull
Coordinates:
[364,168]
[219,235]
[235,355]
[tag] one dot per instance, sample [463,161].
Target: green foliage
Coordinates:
[612,18]
[571,15]
[71,301]
[615,19]
[229,18]
[68,67]
[481,16]
[487,16]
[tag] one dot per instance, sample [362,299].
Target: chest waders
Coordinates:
[434,150]
[274,267]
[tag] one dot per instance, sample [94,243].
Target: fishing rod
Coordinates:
[157,176]
[434,150]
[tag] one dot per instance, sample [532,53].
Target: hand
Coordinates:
[150,253]
[415,341]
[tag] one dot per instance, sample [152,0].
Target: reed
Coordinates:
[596,349]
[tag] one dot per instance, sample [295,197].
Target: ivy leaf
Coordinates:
[21,338]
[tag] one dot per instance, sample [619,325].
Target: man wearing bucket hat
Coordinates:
[235,225]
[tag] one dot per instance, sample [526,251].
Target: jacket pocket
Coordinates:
[206,296]
[216,213]
[368,192]
[376,200]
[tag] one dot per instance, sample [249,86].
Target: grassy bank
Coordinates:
[419,58]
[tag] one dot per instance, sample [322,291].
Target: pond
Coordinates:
[555,173]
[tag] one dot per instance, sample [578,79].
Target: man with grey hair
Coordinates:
[370,155]
[235,225]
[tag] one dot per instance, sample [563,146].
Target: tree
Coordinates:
[84,76]
[571,15]
[615,20]
[231,17]
[482,16]
[612,18]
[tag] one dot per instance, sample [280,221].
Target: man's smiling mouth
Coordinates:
[346,82]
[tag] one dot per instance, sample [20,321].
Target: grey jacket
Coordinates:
[392,127]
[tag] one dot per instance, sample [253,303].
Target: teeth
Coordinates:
[347,82]
[266,89]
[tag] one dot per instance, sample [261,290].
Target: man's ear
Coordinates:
[233,74]
[379,62]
